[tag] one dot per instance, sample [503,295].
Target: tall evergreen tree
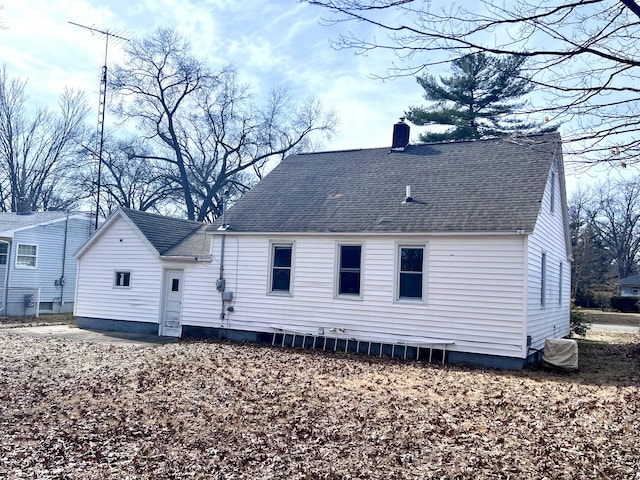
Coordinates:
[478,100]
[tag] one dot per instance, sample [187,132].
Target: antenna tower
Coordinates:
[101,106]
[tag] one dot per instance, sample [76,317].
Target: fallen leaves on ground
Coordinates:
[197,409]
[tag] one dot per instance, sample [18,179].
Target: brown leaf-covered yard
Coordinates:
[198,409]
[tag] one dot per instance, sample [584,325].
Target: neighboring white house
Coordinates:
[36,253]
[460,247]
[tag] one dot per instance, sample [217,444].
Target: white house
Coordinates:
[132,271]
[630,286]
[457,250]
[36,254]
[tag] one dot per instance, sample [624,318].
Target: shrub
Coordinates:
[625,304]
[578,322]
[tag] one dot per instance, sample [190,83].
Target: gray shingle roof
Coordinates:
[12,221]
[169,236]
[481,186]
[631,281]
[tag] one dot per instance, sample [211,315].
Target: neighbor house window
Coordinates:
[543,278]
[122,279]
[350,268]
[281,268]
[411,272]
[27,256]
[4,250]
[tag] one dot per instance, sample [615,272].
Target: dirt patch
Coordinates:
[44,319]
[199,409]
[612,318]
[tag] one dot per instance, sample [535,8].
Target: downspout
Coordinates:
[220,283]
[64,259]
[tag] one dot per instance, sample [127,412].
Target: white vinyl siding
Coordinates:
[474,291]
[120,249]
[552,318]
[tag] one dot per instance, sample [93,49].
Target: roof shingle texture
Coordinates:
[169,236]
[11,221]
[475,186]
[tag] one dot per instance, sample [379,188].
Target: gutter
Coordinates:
[186,258]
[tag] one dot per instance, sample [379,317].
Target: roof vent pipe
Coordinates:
[407,197]
[401,133]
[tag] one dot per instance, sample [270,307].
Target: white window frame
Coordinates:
[6,254]
[35,257]
[560,274]
[552,199]
[272,256]
[338,270]
[543,279]
[121,271]
[397,272]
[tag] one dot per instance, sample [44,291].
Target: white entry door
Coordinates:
[171,325]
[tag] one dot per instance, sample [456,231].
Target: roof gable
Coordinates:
[163,233]
[167,236]
[491,185]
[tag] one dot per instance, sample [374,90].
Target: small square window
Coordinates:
[122,279]
[175,285]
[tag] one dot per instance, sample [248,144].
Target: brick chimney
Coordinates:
[400,136]
[23,206]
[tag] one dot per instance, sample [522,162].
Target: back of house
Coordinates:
[456,251]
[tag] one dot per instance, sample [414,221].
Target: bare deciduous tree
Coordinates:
[584,54]
[37,147]
[127,179]
[615,216]
[204,125]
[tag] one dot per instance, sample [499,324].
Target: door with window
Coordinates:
[171,324]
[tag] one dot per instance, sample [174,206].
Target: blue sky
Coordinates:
[271,43]
[279,42]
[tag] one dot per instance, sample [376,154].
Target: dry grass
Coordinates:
[615,318]
[44,319]
[73,410]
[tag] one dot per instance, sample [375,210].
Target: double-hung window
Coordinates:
[411,272]
[350,268]
[281,268]
[27,256]
[4,251]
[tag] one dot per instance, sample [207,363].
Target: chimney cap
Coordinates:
[23,206]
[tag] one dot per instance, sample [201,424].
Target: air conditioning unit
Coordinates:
[561,353]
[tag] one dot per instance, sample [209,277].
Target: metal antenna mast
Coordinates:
[101,107]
